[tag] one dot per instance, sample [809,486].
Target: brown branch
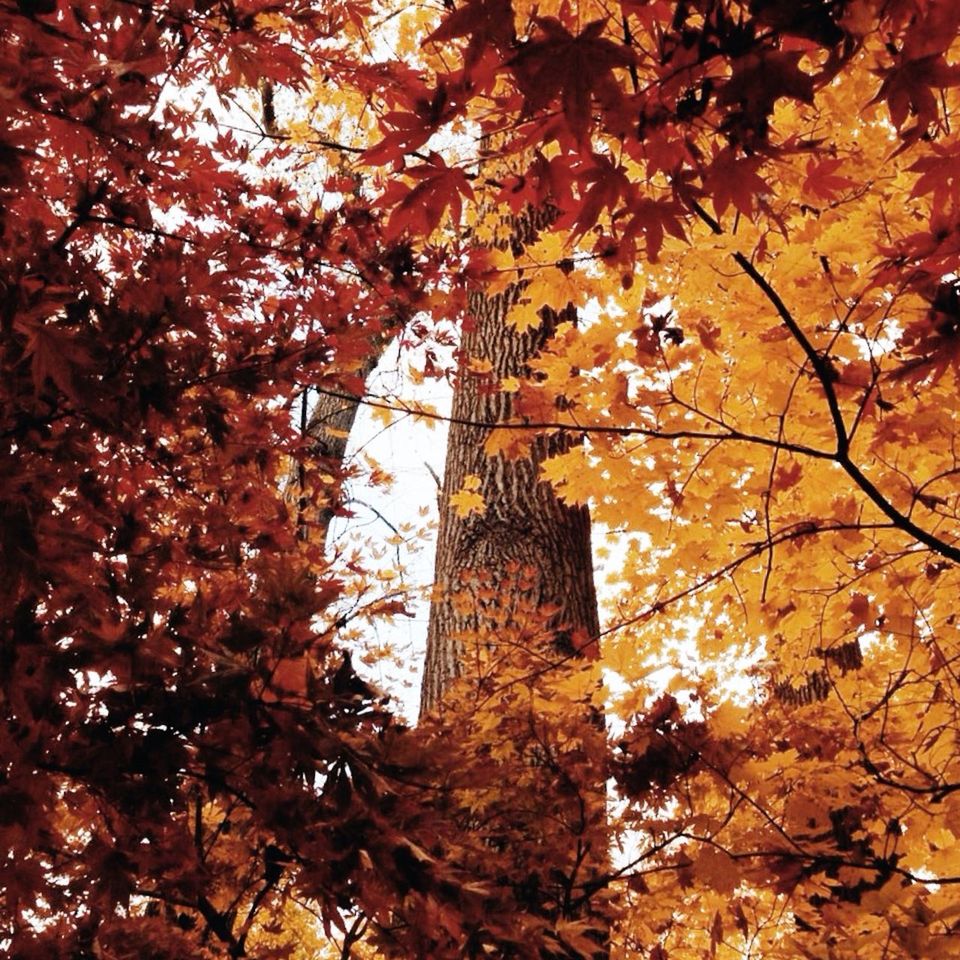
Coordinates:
[586,429]
[219,925]
[821,365]
[705,217]
[83,215]
[825,374]
[356,931]
[900,520]
[936,792]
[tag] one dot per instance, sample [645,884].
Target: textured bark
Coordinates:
[523,561]
[524,526]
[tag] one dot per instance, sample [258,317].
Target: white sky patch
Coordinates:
[387,523]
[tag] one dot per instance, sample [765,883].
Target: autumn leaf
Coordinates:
[487,23]
[938,172]
[787,476]
[760,79]
[574,68]
[717,869]
[709,334]
[420,210]
[653,219]
[690,271]
[734,180]
[602,186]
[55,356]
[909,90]
[407,130]
[823,180]
[468,499]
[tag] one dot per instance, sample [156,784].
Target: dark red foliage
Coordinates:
[168,668]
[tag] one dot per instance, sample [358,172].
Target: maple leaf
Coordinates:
[57,355]
[420,210]
[410,129]
[488,23]
[709,334]
[573,68]
[544,182]
[652,219]
[468,499]
[787,476]
[939,173]
[602,185]
[732,179]
[822,178]
[717,869]
[908,89]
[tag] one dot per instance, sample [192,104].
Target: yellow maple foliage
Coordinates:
[768,408]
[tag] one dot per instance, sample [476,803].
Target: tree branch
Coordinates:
[821,366]
[596,429]
[825,374]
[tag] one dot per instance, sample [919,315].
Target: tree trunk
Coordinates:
[328,425]
[524,534]
[514,606]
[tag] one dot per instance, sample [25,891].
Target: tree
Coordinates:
[514,602]
[755,220]
[502,521]
[763,377]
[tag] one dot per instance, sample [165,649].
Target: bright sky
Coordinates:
[386,526]
[393,533]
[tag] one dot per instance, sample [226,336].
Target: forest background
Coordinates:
[691,269]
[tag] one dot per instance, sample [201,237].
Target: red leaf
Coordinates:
[421,208]
[55,356]
[732,179]
[543,181]
[822,179]
[939,173]
[652,218]
[488,23]
[573,68]
[908,88]
[410,129]
[605,184]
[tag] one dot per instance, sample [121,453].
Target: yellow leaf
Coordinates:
[467,500]
[525,315]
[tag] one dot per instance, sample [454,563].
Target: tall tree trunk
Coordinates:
[515,609]
[524,534]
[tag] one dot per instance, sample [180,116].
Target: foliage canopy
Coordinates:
[755,210]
